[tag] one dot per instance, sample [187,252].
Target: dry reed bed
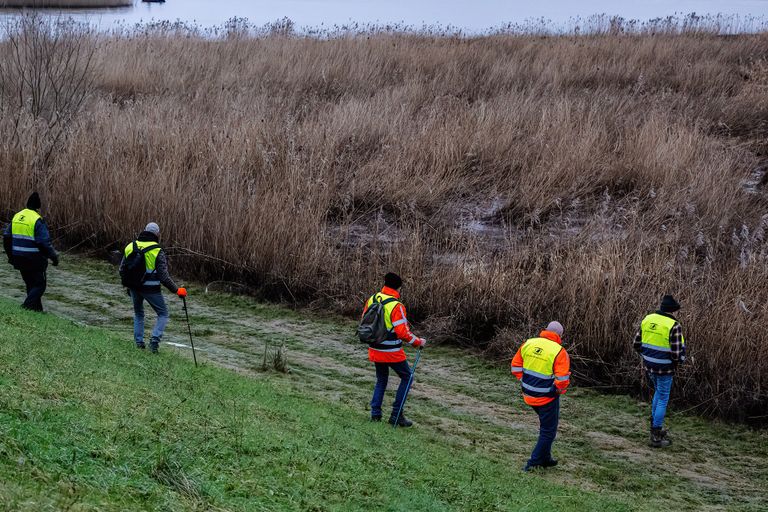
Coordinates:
[309,167]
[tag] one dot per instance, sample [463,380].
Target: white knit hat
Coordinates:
[153,228]
[555,327]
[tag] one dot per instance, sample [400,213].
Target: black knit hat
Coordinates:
[393,281]
[33,203]
[669,304]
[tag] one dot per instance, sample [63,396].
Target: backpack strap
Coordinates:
[148,248]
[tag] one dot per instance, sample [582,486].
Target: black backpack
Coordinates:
[134,268]
[373,327]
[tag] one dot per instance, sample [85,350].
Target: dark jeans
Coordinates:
[36,282]
[549,415]
[382,377]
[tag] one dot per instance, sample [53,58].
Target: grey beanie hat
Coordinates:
[555,327]
[153,228]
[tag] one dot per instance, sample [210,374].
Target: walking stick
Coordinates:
[408,389]
[194,356]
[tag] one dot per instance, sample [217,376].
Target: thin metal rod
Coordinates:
[408,389]
[194,355]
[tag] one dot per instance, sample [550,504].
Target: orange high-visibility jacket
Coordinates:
[562,368]
[402,331]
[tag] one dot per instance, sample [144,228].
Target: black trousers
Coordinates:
[36,282]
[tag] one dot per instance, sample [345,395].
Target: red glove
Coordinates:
[420,343]
[181,292]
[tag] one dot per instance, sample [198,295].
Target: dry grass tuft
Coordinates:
[511,178]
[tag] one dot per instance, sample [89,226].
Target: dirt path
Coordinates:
[458,397]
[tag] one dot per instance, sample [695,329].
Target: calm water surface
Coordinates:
[472,16]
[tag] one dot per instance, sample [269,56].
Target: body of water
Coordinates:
[471,16]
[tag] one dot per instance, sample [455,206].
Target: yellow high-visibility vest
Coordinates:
[539,367]
[23,232]
[150,257]
[654,331]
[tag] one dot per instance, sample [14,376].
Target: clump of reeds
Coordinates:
[511,179]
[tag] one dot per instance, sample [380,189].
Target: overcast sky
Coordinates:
[471,15]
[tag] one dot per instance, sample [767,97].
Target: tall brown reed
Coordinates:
[511,179]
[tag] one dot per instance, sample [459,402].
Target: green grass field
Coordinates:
[87,422]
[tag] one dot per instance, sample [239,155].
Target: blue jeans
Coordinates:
[382,377]
[158,304]
[549,416]
[662,385]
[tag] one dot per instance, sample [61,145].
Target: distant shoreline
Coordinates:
[65,4]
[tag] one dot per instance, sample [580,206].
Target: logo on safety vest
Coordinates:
[21,217]
[537,351]
[652,327]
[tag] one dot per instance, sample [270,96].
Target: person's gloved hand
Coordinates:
[55,260]
[181,292]
[420,343]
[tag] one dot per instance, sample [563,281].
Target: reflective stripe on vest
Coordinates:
[655,331]
[23,233]
[539,367]
[151,278]
[392,343]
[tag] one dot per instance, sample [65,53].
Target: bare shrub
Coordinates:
[45,78]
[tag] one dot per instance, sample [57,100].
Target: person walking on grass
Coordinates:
[389,354]
[143,269]
[660,342]
[543,368]
[28,246]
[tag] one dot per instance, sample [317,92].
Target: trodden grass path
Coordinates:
[473,433]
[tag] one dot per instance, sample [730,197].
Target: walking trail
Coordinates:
[457,397]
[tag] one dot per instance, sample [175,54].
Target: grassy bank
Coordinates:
[511,179]
[465,409]
[89,423]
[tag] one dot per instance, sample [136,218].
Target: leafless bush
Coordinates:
[45,78]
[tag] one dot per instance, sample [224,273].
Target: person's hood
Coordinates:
[390,291]
[146,236]
[552,336]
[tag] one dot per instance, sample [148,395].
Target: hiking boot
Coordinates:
[544,465]
[154,343]
[140,345]
[402,422]
[375,418]
[659,438]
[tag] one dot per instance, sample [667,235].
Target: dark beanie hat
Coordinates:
[669,304]
[393,281]
[33,203]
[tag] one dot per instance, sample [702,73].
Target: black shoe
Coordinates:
[659,438]
[402,422]
[531,467]
[375,418]
[141,345]
[153,344]
[550,463]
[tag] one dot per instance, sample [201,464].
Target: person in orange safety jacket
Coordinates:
[389,353]
[543,367]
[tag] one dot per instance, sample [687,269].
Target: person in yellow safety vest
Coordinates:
[156,273]
[661,344]
[28,247]
[389,354]
[544,369]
